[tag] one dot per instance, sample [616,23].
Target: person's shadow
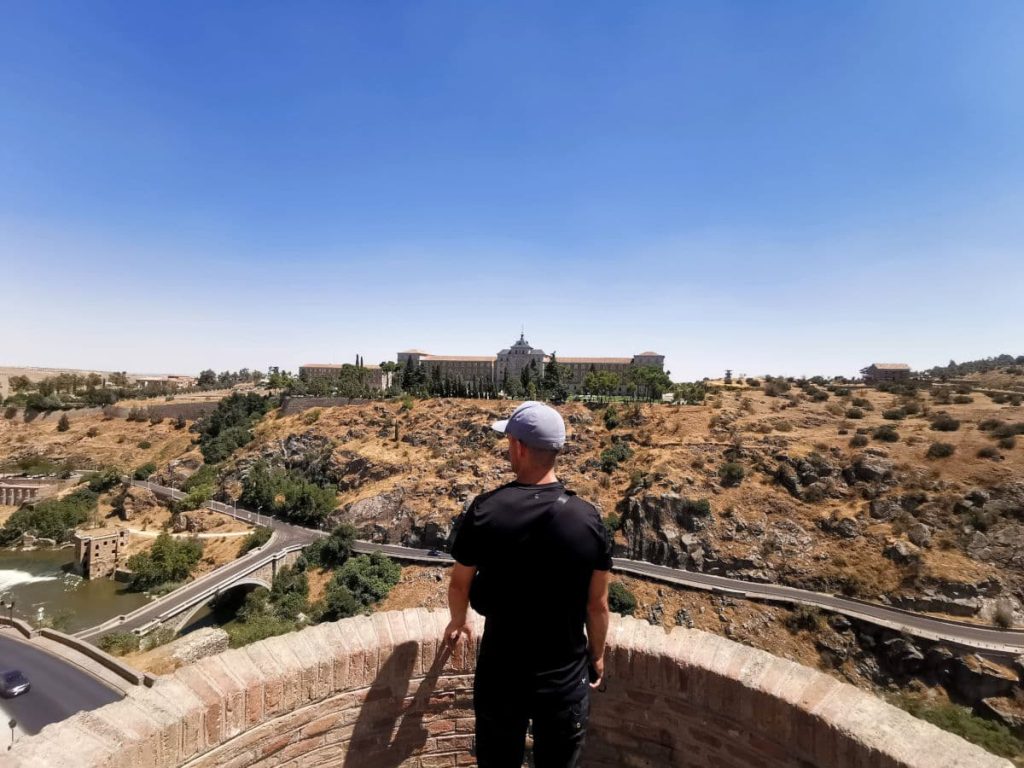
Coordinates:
[375,739]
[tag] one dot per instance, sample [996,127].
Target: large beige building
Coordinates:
[508,364]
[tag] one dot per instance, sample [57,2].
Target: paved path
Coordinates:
[59,687]
[1005,642]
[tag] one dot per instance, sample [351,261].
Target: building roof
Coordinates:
[891,366]
[414,352]
[621,360]
[320,365]
[650,354]
[460,358]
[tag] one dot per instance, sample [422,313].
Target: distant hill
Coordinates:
[955,370]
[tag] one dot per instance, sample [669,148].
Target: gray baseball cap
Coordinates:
[535,424]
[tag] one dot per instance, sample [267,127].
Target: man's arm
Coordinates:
[458,603]
[597,621]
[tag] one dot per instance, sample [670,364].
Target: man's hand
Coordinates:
[598,665]
[452,632]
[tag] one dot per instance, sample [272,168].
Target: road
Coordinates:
[59,688]
[1006,642]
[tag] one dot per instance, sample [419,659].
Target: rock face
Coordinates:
[178,471]
[134,502]
[386,519]
[902,552]
[659,528]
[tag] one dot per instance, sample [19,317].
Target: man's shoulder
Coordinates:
[582,507]
[486,496]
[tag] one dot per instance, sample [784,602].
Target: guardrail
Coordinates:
[119,668]
[23,627]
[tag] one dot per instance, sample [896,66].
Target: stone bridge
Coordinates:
[378,692]
[176,610]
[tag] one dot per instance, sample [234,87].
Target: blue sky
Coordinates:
[791,187]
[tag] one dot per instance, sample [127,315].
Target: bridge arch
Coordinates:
[374,691]
[183,620]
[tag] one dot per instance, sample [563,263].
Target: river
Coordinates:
[42,586]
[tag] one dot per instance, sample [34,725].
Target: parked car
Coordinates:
[435,553]
[13,683]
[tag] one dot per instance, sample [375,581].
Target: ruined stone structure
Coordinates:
[17,490]
[99,554]
[509,364]
[376,692]
[885,372]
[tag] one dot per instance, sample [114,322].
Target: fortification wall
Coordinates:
[292,405]
[375,692]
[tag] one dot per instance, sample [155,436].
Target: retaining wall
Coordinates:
[293,405]
[374,692]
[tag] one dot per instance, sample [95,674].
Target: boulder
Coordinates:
[885,509]
[179,522]
[1007,709]
[134,502]
[974,678]
[872,469]
[920,535]
[902,552]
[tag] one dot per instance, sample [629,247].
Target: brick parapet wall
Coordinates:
[374,692]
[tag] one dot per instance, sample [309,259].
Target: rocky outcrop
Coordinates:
[134,502]
[387,519]
[655,525]
[902,552]
[177,471]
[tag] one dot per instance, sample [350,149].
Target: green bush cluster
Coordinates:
[887,434]
[169,560]
[945,423]
[620,599]
[940,450]
[286,493]
[858,441]
[993,736]
[359,583]
[144,471]
[257,537]
[894,414]
[611,417]
[611,457]
[119,643]
[229,426]
[854,413]
[333,550]
[102,480]
[731,473]
[52,518]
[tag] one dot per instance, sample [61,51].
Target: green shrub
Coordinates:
[1009,430]
[804,617]
[611,417]
[333,550]
[887,434]
[407,403]
[10,412]
[228,427]
[620,599]
[945,423]
[286,493]
[257,537]
[731,473]
[168,560]
[1008,442]
[63,424]
[362,581]
[612,522]
[894,414]
[310,417]
[119,643]
[52,518]
[863,402]
[145,445]
[988,425]
[854,413]
[92,432]
[610,457]
[858,441]
[144,471]
[989,452]
[103,480]
[995,737]
[963,399]
[940,450]
[180,423]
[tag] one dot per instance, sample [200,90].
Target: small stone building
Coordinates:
[99,553]
[885,372]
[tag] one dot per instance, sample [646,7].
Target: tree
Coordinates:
[554,381]
[207,378]
[620,599]
[20,383]
[119,379]
[169,560]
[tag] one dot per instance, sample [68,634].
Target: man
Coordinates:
[535,560]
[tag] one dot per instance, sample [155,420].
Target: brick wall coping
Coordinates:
[246,706]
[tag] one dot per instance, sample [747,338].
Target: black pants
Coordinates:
[558,733]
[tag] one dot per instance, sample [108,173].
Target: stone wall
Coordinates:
[375,692]
[292,405]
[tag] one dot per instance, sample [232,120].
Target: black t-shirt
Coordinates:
[535,548]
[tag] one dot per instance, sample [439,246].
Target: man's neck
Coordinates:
[536,477]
